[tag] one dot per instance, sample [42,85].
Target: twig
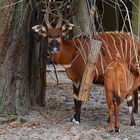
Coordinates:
[54,69]
[7,6]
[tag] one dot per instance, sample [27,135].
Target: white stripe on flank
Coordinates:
[114,42]
[130,48]
[120,37]
[126,48]
[97,73]
[122,44]
[80,50]
[99,37]
[102,65]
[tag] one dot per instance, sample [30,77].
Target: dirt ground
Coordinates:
[53,122]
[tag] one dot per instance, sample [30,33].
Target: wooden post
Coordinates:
[89,71]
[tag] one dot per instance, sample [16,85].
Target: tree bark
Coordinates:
[22,69]
[37,60]
[81,19]
[89,71]
[14,96]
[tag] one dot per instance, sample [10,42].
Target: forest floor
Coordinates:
[53,122]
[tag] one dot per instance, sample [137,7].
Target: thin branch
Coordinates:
[54,69]
[7,6]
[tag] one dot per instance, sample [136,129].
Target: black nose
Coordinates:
[54,45]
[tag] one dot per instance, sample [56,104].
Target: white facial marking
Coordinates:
[63,28]
[43,29]
[35,28]
[70,26]
[38,28]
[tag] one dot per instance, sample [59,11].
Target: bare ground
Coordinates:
[53,122]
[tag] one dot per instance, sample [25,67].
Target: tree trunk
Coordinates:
[37,60]
[81,19]
[14,96]
[85,20]
[22,70]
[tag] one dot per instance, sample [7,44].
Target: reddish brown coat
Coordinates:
[118,85]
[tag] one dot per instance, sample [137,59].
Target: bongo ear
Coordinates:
[40,29]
